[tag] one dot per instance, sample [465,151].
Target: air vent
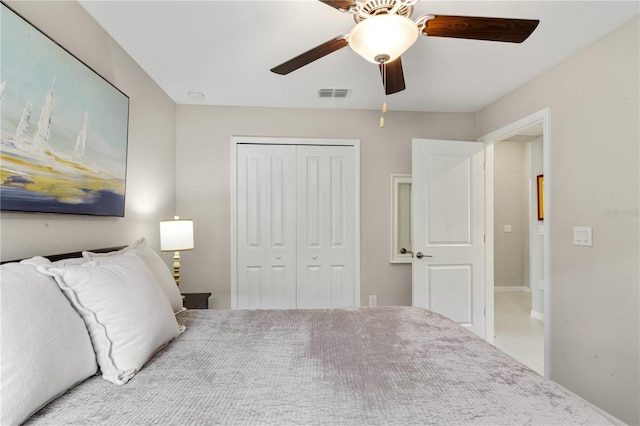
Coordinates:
[333,93]
[325,93]
[340,93]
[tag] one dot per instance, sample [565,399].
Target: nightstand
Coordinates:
[196,300]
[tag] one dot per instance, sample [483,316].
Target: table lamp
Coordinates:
[176,235]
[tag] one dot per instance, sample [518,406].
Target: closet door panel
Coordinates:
[266,239]
[325,199]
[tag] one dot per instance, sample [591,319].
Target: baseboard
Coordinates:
[511,288]
[537,315]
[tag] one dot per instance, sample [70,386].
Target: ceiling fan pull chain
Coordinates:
[384,93]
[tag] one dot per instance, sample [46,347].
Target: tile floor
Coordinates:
[516,333]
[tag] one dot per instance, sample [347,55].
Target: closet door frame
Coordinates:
[233,252]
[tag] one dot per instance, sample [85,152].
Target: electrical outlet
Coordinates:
[373,300]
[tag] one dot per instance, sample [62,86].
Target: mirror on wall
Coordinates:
[401,249]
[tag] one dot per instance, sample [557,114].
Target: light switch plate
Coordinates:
[507,228]
[540,229]
[583,236]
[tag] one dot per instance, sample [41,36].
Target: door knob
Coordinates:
[315,256]
[420,255]
[278,257]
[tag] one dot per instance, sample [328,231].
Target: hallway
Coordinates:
[516,333]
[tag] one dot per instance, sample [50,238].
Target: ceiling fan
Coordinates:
[384,30]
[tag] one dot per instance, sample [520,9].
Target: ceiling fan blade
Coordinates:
[311,55]
[477,28]
[394,77]
[342,5]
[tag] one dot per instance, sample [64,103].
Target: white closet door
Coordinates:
[266,240]
[326,206]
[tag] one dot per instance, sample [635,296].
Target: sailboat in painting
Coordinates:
[41,139]
[40,143]
[81,141]
[23,124]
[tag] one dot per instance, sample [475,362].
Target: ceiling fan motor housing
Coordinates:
[363,9]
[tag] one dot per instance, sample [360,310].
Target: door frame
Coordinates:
[540,117]
[257,140]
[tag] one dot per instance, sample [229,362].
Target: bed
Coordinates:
[385,365]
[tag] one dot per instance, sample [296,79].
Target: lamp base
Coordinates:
[176,267]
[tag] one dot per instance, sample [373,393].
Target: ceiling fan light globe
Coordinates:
[383,36]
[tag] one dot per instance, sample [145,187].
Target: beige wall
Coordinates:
[150,192]
[594,181]
[510,204]
[203,143]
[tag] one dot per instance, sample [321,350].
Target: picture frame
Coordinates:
[540,186]
[64,128]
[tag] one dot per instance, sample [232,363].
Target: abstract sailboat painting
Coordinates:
[63,128]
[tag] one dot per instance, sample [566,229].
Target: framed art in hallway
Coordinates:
[540,184]
[64,128]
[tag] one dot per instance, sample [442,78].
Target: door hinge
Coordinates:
[485,312]
[485,237]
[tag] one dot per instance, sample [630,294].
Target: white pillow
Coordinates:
[40,260]
[45,347]
[70,261]
[35,261]
[125,311]
[157,266]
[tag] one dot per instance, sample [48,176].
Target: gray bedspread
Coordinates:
[382,366]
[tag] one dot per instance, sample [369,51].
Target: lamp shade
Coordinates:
[383,38]
[176,235]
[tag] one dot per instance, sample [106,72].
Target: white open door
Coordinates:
[447,215]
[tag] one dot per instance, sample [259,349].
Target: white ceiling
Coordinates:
[225,49]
